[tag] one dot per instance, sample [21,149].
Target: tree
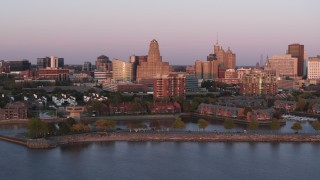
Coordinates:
[253,124]
[178,124]
[228,123]
[296,127]
[203,124]
[316,125]
[80,127]
[275,124]
[37,128]
[105,124]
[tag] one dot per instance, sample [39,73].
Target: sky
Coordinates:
[186,30]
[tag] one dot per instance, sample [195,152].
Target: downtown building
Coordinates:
[314,68]
[152,66]
[297,51]
[283,65]
[169,85]
[52,61]
[122,71]
[103,64]
[224,58]
[259,83]
[206,70]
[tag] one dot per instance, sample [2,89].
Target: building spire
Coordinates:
[217,38]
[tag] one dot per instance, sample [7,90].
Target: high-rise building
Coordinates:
[121,70]
[314,68]
[297,51]
[134,60]
[169,85]
[43,62]
[206,69]
[4,67]
[103,64]
[87,66]
[284,65]
[50,62]
[153,66]
[223,58]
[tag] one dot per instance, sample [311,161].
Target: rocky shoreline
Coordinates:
[204,137]
[161,137]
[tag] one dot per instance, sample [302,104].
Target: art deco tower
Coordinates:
[153,65]
[154,52]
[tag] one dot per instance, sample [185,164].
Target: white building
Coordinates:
[314,68]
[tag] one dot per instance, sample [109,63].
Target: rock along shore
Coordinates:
[204,137]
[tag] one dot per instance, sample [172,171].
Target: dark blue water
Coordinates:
[162,160]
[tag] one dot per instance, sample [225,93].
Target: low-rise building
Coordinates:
[218,110]
[286,105]
[14,111]
[64,99]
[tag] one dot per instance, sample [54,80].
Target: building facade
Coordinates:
[153,66]
[103,64]
[169,85]
[284,65]
[16,110]
[87,66]
[314,68]
[297,51]
[207,70]
[224,58]
[54,73]
[258,84]
[121,70]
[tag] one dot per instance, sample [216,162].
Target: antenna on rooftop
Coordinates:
[261,60]
[217,38]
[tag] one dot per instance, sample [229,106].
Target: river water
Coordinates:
[161,160]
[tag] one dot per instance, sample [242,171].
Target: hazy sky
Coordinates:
[81,30]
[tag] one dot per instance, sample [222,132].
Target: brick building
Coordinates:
[16,110]
[171,85]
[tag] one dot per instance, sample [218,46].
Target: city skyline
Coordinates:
[80,31]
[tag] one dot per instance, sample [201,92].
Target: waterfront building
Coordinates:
[314,68]
[15,110]
[297,51]
[103,64]
[169,85]
[122,71]
[284,65]
[153,65]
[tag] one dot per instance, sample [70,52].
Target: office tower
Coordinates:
[314,68]
[87,66]
[103,64]
[153,65]
[284,65]
[134,60]
[225,58]
[43,62]
[297,51]
[121,70]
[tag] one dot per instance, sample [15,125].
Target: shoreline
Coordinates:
[161,137]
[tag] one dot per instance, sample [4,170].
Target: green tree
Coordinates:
[316,125]
[178,124]
[296,127]
[80,127]
[228,123]
[37,128]
[203,124]
[275,124]
[253,125]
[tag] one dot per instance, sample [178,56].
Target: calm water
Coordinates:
[162,160]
